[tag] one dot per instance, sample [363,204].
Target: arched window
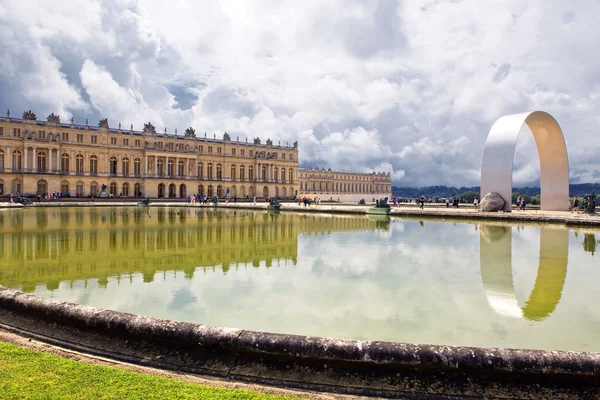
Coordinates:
[79,189]
[17,161]
[251,172]
[94,189]
[42,187]
[79,166]
[282,174]
[64,188]
[125,189]
[291,177]
[170,168]
[1,160]
[181,168]
[243,191]
[233,171]
[125,166]
[161,190]
[209,170]
[137,169]
[64,162]
[276,174]
[113,188]
[219,172]
[200,170]
[263,174]
[94,165]
[113,165]
[201,190]
[161,168]
[210,191]
[172,190]
[137,190]
[242,172]
[219,191]
[42,162]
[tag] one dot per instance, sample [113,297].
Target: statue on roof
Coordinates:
[53,119]
[226,137]
[269,142]
[190,132]
[295,144]
[256,140]
[149,128]
[103,123]
[29,115]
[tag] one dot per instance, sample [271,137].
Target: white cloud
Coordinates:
[412,87]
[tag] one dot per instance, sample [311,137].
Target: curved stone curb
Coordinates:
[345,366]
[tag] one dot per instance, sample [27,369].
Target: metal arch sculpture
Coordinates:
[499,154]
[497,272]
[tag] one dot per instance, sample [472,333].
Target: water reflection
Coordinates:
[497,272]
[589,243]
[49,246]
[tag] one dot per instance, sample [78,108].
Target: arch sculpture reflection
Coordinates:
[499,153]
[497,276]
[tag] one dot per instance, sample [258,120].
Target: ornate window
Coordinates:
[251,172]
[79,189]
[209,170]
[264,173]
[17,161]
[161,167]
[275,173]
[137,169]
[200,170]
[42,164]
[291,177]
[282,174]
[171,168]
[137,190]
[64,163]
[181,168]
[113,188]
[219,172]
[94,165]
[1,160]
[125,166]
[242,172]
[125,190]
[79,166]
[113,165]
[233,171]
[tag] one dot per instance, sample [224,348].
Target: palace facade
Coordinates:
[38,157]
[78,160]
[344,186]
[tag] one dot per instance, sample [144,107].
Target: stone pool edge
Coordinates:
[369,368]
[465,213]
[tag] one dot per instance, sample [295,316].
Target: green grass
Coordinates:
[28,374]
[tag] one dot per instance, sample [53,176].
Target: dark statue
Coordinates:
[215,200]
[361,202]
[53,119]
[269,142]
[149,128]
[103,123]
[256,140]
[383,203]
[190,132]
[103,187]
[29,115]
[295,144]
[589,203]
[226,137]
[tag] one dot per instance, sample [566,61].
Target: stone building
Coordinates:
[344,186]
[78,160]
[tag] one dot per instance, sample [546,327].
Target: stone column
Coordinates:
[155,166]
[176,172]
[25,158]
[50,166]
[35,163]
[145,170]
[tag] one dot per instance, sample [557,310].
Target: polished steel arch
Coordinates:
[499,154]
[497,276]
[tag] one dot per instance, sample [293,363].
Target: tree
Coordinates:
[468,196]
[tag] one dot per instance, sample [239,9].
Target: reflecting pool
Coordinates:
[359,277]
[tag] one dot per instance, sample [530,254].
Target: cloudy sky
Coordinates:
[410,88]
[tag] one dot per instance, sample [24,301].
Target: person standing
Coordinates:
[575,205]
[421,202]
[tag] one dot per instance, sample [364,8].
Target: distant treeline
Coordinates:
[431,192]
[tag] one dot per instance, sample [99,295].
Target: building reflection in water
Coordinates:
[50,246]
[497,274]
